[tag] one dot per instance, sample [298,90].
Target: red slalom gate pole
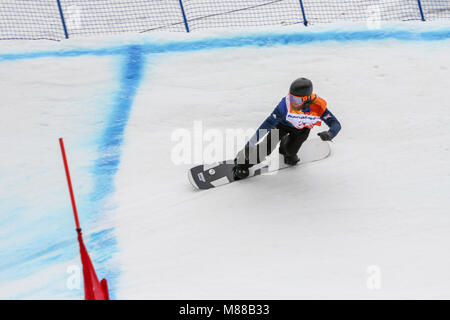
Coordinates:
[69,182]
[93,289]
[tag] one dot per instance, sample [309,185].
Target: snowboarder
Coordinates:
[290,122]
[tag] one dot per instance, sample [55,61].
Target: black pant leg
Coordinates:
[270,141]
[293,141]
[265,146]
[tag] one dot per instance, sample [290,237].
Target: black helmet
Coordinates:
[301,87]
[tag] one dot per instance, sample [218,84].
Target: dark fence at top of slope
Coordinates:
[60,19]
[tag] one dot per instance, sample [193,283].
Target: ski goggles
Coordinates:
[301,100]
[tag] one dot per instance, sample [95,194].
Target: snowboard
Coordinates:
[207,176]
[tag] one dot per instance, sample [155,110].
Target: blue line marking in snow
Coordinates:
[104,169]
[261,40]
[110,148]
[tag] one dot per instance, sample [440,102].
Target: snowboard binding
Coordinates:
[240,172]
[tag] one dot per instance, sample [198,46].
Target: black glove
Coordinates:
[324,135]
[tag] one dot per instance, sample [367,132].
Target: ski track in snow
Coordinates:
[307,232]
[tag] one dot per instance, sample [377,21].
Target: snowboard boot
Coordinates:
[240,171]
[291,160]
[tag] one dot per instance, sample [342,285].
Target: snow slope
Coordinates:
[44,99]
[314,231]
[311,232]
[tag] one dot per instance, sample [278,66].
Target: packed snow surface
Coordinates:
[370,221]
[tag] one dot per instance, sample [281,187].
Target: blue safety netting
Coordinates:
[59,19]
